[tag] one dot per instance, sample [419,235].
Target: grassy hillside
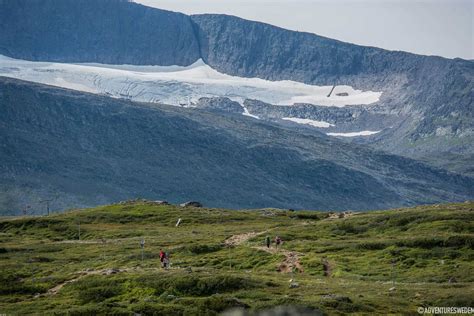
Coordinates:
[383,262]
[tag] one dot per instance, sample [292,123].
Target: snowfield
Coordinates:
[308,122]
[177,85]
[354,134]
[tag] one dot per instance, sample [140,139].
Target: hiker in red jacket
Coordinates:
[162,257]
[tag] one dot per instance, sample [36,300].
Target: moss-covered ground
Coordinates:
[85,262]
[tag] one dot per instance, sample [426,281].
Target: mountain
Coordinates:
[83,149]
[425,105]
[106,31]
[271,117]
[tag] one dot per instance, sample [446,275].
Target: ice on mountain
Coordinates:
[178,85]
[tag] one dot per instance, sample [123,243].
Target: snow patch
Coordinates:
[353,97]
[354,134]
[308,122]
[178,85]
[247,113]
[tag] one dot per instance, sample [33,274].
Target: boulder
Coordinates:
[158,202]
[191,204]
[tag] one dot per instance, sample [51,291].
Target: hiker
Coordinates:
[268,241]
[277,241]
[162,257]
[166,261]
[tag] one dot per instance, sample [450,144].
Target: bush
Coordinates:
[218,303]
[460,241]
[201,249]
[409,262]
[313,215]
[95,310]
[458,300]
[191,285]
[158,309]
[426,243]
[97,289]
[372,245]
[348,228]
[10,283]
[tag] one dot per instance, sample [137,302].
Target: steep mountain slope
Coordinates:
[83,149]
[107,31]
[426,104]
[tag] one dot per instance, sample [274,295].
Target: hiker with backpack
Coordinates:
[162,258]
[166,261]
[268,241]
[277,242]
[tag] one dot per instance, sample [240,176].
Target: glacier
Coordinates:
[179,85]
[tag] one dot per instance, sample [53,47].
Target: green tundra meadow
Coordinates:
[89,261]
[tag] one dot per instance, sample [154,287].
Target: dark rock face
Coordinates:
[354,117]
[432,96]
[84,150]
[219,105]
[103,31]
[254,49]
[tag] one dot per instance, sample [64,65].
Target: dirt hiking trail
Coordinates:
[239,239]
[291,263]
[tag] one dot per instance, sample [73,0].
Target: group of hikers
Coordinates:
[165,260]
[268,241]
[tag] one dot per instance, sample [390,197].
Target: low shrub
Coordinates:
[195,286]
[95,310]
[202,249]
[348,228]
[312,215]
[426,243]
[372,245]
[219,303]
[158,309]
[459,241]
[13,284]
[97,289]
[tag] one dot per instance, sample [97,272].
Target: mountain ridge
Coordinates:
[88,150]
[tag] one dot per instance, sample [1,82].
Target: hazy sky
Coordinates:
[429,27]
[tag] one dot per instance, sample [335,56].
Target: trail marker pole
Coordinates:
[103,248]
[142,245]
[47,204]
[393,271]
[25,209]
